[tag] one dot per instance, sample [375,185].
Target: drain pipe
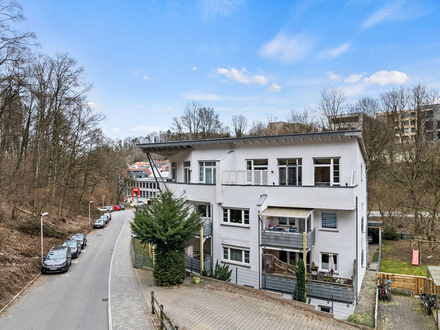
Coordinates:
[357,251]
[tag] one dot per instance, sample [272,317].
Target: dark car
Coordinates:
[75,247]
[57,260]
[122,207]
[81,238]
[99,223]
[105,218]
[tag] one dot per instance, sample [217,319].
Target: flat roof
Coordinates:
[172,148]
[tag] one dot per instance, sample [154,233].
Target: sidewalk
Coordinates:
[216,305]
[128,309]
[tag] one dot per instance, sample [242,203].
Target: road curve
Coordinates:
[73,300]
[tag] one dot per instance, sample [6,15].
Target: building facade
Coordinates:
[273,200]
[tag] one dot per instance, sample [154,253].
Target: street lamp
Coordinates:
[89,212]
[41,218]
[103,197]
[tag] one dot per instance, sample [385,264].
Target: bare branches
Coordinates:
[331,105]
[239,124]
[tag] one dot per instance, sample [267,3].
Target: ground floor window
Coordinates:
[236,255]
[326,309]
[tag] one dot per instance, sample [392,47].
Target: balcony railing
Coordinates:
[207,227]
[242,177]
[193,263]
[287,239]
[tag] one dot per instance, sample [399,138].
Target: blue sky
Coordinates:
[148,59]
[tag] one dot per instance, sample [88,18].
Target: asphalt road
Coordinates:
[73,300]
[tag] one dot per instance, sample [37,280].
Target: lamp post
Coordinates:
[103,197]
[89,212]
[41,219]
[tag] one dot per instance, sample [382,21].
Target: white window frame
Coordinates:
[243,217]
[174,171]
[187,171]
[202,171]
[252,168]
[226,255]
[322,269]
[298,167]
[335,180]
[329,229]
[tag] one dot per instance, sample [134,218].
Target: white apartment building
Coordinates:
[261,196]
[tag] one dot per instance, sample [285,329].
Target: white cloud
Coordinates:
[137,71]
[219,7]
[287,49]
[387,77]
[333,76]
[144,129]
[396,11]
[194,68]
[354,78]
[274,88]
[115,131]
[199,96]
[333,52]
[94,106]
[242,76]
[145,77]
[165,109]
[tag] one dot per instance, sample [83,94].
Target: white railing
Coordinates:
[242,177]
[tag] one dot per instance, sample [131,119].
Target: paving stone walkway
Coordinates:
[212,305]
[403,313]
[128,309]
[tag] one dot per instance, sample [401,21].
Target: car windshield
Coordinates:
[98,221]
[56,254]
[78,237]
[71,244]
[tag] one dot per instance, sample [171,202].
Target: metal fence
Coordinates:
[141,258]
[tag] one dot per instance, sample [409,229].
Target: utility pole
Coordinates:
[89,212]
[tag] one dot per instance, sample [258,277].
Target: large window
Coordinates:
[329,221]
[236,255]
[325,259]
[290,172]
[207,172]
[236,216]
[256,171]
[187,172]
[326,171]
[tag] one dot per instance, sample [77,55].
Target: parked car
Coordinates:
[116,207]
[75,247]
[81,238]
[100,223]
[104,218]
[110,208]
[122,207]
[109,216]
[58,260]
[370,238]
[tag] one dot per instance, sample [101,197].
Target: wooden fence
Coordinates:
[416,284]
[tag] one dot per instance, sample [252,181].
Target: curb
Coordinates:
[18,294]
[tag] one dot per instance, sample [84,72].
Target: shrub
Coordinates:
[221,272]
[361,319]
[390,232]
[299,294]
[169,268]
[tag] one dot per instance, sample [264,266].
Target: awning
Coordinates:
[286,212]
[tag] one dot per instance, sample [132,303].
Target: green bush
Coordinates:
[169,268]
[390,232]
[221,272]
[361,319]
[299,294]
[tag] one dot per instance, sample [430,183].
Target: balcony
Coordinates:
[193,263]
[207,227]
[286,239]
[242,177]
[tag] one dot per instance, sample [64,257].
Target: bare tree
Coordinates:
[331,105]
[239,124]
[304,122]
[257,129]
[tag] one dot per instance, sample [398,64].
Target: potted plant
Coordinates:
[196,279]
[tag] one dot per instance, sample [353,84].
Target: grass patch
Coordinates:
[387,246]
[375,257]
[361,319]
[401,267]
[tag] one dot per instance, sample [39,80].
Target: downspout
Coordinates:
[259,251]
[201,250]
[357,257]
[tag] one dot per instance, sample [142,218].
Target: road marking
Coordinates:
[75,262]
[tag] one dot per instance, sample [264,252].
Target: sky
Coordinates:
[148,59]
